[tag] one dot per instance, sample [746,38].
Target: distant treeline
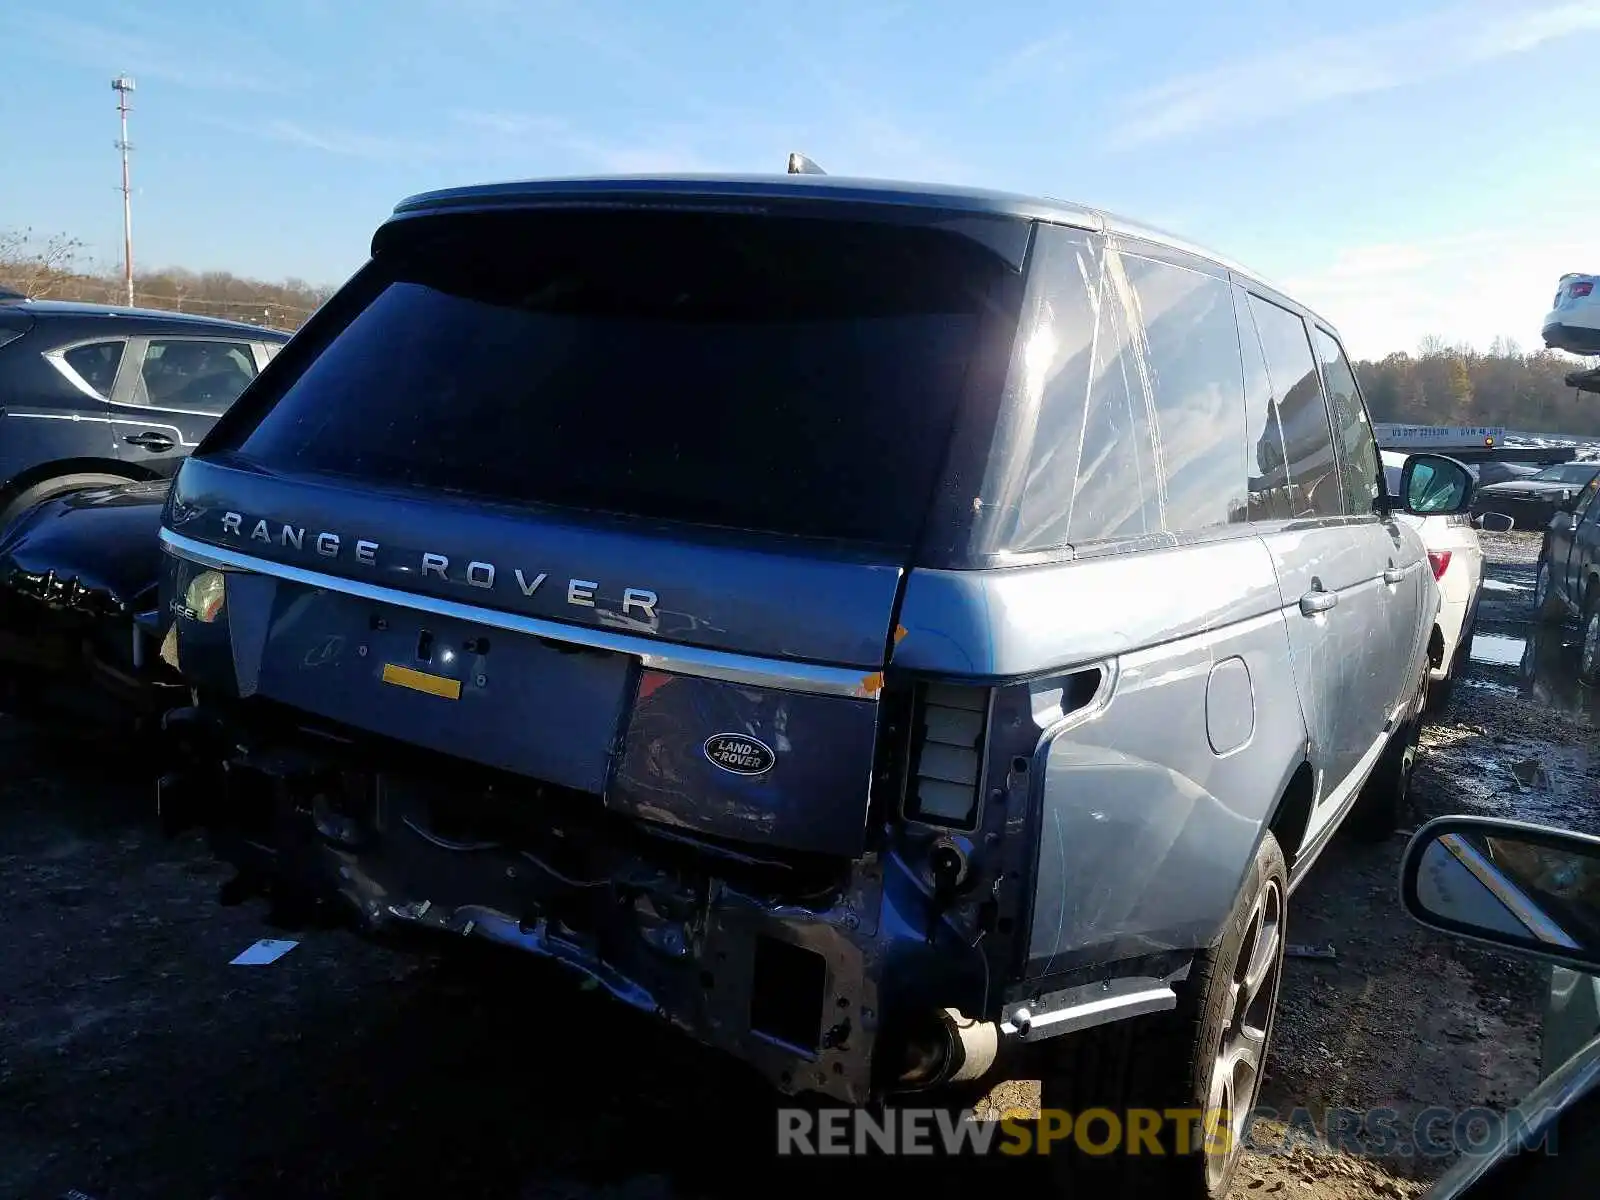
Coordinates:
[1447,385]
[1439,385]
[52,269]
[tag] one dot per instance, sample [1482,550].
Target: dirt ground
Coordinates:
[135,1061]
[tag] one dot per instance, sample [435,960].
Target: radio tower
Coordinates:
[122,86]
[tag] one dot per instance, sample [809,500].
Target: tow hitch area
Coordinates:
[778,960]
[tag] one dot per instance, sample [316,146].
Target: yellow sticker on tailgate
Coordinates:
[421,681]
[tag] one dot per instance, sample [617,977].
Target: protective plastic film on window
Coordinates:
[1132,387]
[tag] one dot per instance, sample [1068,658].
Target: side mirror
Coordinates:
[1495,522]
[1561,522]
[1521,887]
[1432,485]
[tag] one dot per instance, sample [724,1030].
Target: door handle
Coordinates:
[1393,575]
[1317,601]
[150,440]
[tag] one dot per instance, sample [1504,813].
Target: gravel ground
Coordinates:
[136,1062]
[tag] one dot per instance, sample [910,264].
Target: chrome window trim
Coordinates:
[652,655]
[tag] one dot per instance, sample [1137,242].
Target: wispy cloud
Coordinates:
[1373,60]
[515,25]
[668,148]
[1038,58]
[347,143]
[340,142]
[133,46]
[1471,286]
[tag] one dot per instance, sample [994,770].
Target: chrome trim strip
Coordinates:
[1100,1010]
[653,655]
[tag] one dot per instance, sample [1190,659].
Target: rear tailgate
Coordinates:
[618,502]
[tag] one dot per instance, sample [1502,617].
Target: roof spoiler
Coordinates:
[799,164]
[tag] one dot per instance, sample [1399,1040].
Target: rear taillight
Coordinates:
[947,755]
[1579,290]
[1440,561]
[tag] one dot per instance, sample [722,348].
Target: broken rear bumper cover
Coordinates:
[825,992]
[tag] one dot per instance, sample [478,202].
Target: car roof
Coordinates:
[753,190]
[49,309]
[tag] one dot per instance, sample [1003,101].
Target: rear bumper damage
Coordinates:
[820,974]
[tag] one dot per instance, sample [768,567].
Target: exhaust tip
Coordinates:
[950,1047]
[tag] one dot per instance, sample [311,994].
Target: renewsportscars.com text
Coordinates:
[1377,1132]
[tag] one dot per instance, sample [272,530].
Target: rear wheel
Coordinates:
[1440,690]
[1207,1055]
[1589,644]
[1386,797]
[1547,606]
[46,488]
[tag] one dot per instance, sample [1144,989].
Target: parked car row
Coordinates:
[900,634]
[1567,578]
[1532,501]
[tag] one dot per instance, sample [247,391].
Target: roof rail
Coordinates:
[799,164]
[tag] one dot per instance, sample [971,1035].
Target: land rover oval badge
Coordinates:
[739,753]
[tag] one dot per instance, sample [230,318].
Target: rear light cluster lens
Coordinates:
[1579,290]
[947,755]
[1440,561]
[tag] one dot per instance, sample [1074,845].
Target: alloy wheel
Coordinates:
[1241,1056]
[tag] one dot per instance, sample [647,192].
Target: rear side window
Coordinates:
[798,376]
[1297,392]
[1086,443]
[1193,383]
[1359,461]
[96,365]
[1135,376]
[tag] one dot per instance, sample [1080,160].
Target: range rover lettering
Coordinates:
[902,635]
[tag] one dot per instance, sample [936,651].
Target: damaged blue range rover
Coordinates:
[902,636]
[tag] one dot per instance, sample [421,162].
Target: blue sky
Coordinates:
[1407,168]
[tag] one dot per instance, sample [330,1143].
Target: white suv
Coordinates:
[1574,324]
[1456,557]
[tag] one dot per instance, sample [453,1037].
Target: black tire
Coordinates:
[1174,1060]
[1440,690]
[45,489]
[1547,606]
[1385,798]
[1589,640]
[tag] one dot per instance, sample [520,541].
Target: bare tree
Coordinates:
[36,268]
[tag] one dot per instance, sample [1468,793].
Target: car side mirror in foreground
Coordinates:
[1432,485]
[1521,887]
[1561,521]
[1495,522]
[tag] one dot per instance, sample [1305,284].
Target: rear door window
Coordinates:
[1313,468]
[194,374]
[797,376]
[1358,462]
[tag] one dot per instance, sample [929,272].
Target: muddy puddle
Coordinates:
[1518,740]
[1498,650]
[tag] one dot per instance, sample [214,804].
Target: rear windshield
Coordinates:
[792,375]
